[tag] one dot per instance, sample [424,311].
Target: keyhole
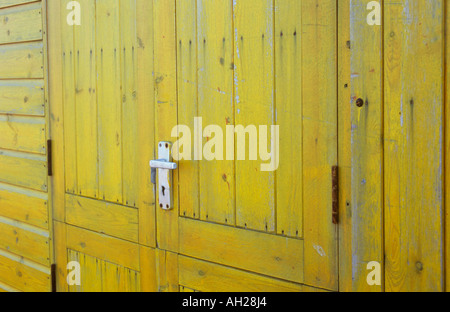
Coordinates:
[163,191]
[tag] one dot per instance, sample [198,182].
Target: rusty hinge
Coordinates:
[49,158]
[53,277]
[335,193]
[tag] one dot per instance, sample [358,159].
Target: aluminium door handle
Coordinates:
[164,166]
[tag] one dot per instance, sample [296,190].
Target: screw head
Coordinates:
[360,102]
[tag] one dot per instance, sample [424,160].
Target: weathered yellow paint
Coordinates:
[23,134]
[320,118]
[208,277]
[22,97]
[253,251]
[23,275]
[447,147]
[145,122]
[85,102]
[7,3]
[101,276]
[109,101]
[254,105]
[24,60]
[21,23]
[344,148]
[24,205]
[69,112]
[288,74]
[414,145]
[27,241]
[166,105]
[215,44]
[366,143]
[187,93]
[26,170]
[106,218]
[103,247]
[133,70]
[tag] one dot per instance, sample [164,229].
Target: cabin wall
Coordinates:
[25,220]
[393,152]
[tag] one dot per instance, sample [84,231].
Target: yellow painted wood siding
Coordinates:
[25,227]
[398,188]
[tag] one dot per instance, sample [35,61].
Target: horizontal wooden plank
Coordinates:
[23,60]
[24,134]
[24,205]
[103,217]
[25,241]
[6,288]
[26,170]
[17,274]
[253,251]
[22,97]
[208,277]
[21,23]
[103,247]
[8,3]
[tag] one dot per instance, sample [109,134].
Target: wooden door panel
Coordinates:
[259,64]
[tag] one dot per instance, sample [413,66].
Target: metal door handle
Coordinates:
[164,166]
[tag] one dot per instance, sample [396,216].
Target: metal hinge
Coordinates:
[335,194]
[49,158]
[53,277]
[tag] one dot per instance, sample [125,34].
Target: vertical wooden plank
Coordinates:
[414,137]
[165,48]
[59,237]
[68,71]
[215,101]
[56,126]
[167,271]
[148,269]
[447,145]
[91,274]
[109,104]
[344,148]
[187,95]
[86,101]
[288,55]
[130,127]
[254,105]
[146,121]
[367,149]
[319,48]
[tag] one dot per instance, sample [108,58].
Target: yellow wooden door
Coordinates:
[103,131]
[252,62]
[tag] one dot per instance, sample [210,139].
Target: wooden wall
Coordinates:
[25,222]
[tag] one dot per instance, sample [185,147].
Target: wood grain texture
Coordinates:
[85,97]
[289,105]
[253,251]
[320,140]
[187,88]
[414,150]
[106,218]
[22,97]
[367,148]
[21,23]
[254,105]
[24,60]
[215,105]
[165,78]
